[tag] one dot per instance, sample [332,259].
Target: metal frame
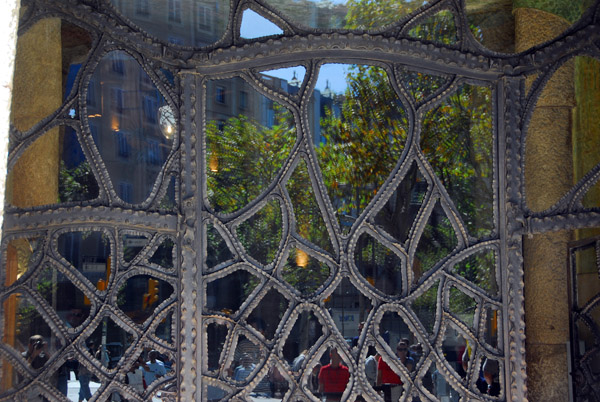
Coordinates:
[234,55]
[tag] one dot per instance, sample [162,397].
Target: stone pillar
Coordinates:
[548,176]
[37,92]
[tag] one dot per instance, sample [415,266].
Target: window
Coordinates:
[116,100]
[122,141]
[175,10]
[382,205]
[142,8]
[204,18]
[220,94]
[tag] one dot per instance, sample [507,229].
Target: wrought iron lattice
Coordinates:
[212,240]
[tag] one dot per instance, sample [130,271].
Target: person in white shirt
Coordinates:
[153,368]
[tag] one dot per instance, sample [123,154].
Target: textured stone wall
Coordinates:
[548,176]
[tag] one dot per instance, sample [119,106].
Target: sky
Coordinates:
[255,26]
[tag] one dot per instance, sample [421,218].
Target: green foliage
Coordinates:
[304,273]
[373,14]
[439,28]
[77,183]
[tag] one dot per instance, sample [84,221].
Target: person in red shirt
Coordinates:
[334,377]
[386,377]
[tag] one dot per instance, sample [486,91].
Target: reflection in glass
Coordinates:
[420,85]
[89,253]
[216,334]
[266,316]
[436,242]
[255,25]
[305,273]
[248,138]
[196,23]
[164,330]
[380,266]
[439,28]
[108,342]
[304,335]
[85,379]
[246,358]
[139,296]
[21,256]
[399,212]
[309,220]
[349,308]
[288,79]
[480,269]
[69,302]
[493,325]
[492,24]
[261,233]
[425,307]
[123,105]
[490,385]
[228,293]
[457,351]
[462,306]
[28,333]
[457,140]
[393,329]
[132,245]
[163,256]
[364,130]
[217,250]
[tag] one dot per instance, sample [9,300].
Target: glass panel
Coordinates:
[255,25]
[420,85]
[260,234]
[462,306]
[22,255]
[164,330]
[309,220]
[139,296]
[109,342]
[457,139]
[334,376]
[248,138]
[305,273]
[399,212]
[349,14]
[492,327]
[349,308]
[227,294]
[71,181]
[124,120]
[217,250]
[169,201]
[491,369]
[436,242]
[492,23]
[265,318]
[380,266]
[439,28]
[89,253]
[425,307]
[194,23]
[69,302]
[163,256]
[480,269]
[246,358]
[305,334]
[289,79]
[216,335]
[457,351]
[84,385]
[132,245]
[364,128]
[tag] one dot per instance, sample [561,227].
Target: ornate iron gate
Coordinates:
[260,231]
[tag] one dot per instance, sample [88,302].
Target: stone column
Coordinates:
[548,176]
[37,92]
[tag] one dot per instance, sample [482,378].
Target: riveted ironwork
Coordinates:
[392,49]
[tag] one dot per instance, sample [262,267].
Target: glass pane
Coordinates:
[228,293]
[83,385]
[123,114]
[305,334]
[139,296]
[288,79]
[217,250]
[260,235]
[255,25]
[457,139]
[305,273]
[89,253]
[398,214]
[439,28]
[108,343]
[349,308]
[248,138]
[480,268]
[194,23]
[67,175]
[132,245]
[492,23]
[216,335]
[163,256]
[349,14]
[22,255]
[380,266]
[265,318]
[420,85]
[364,129]
[309,220]
[425,306]
[462,306]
